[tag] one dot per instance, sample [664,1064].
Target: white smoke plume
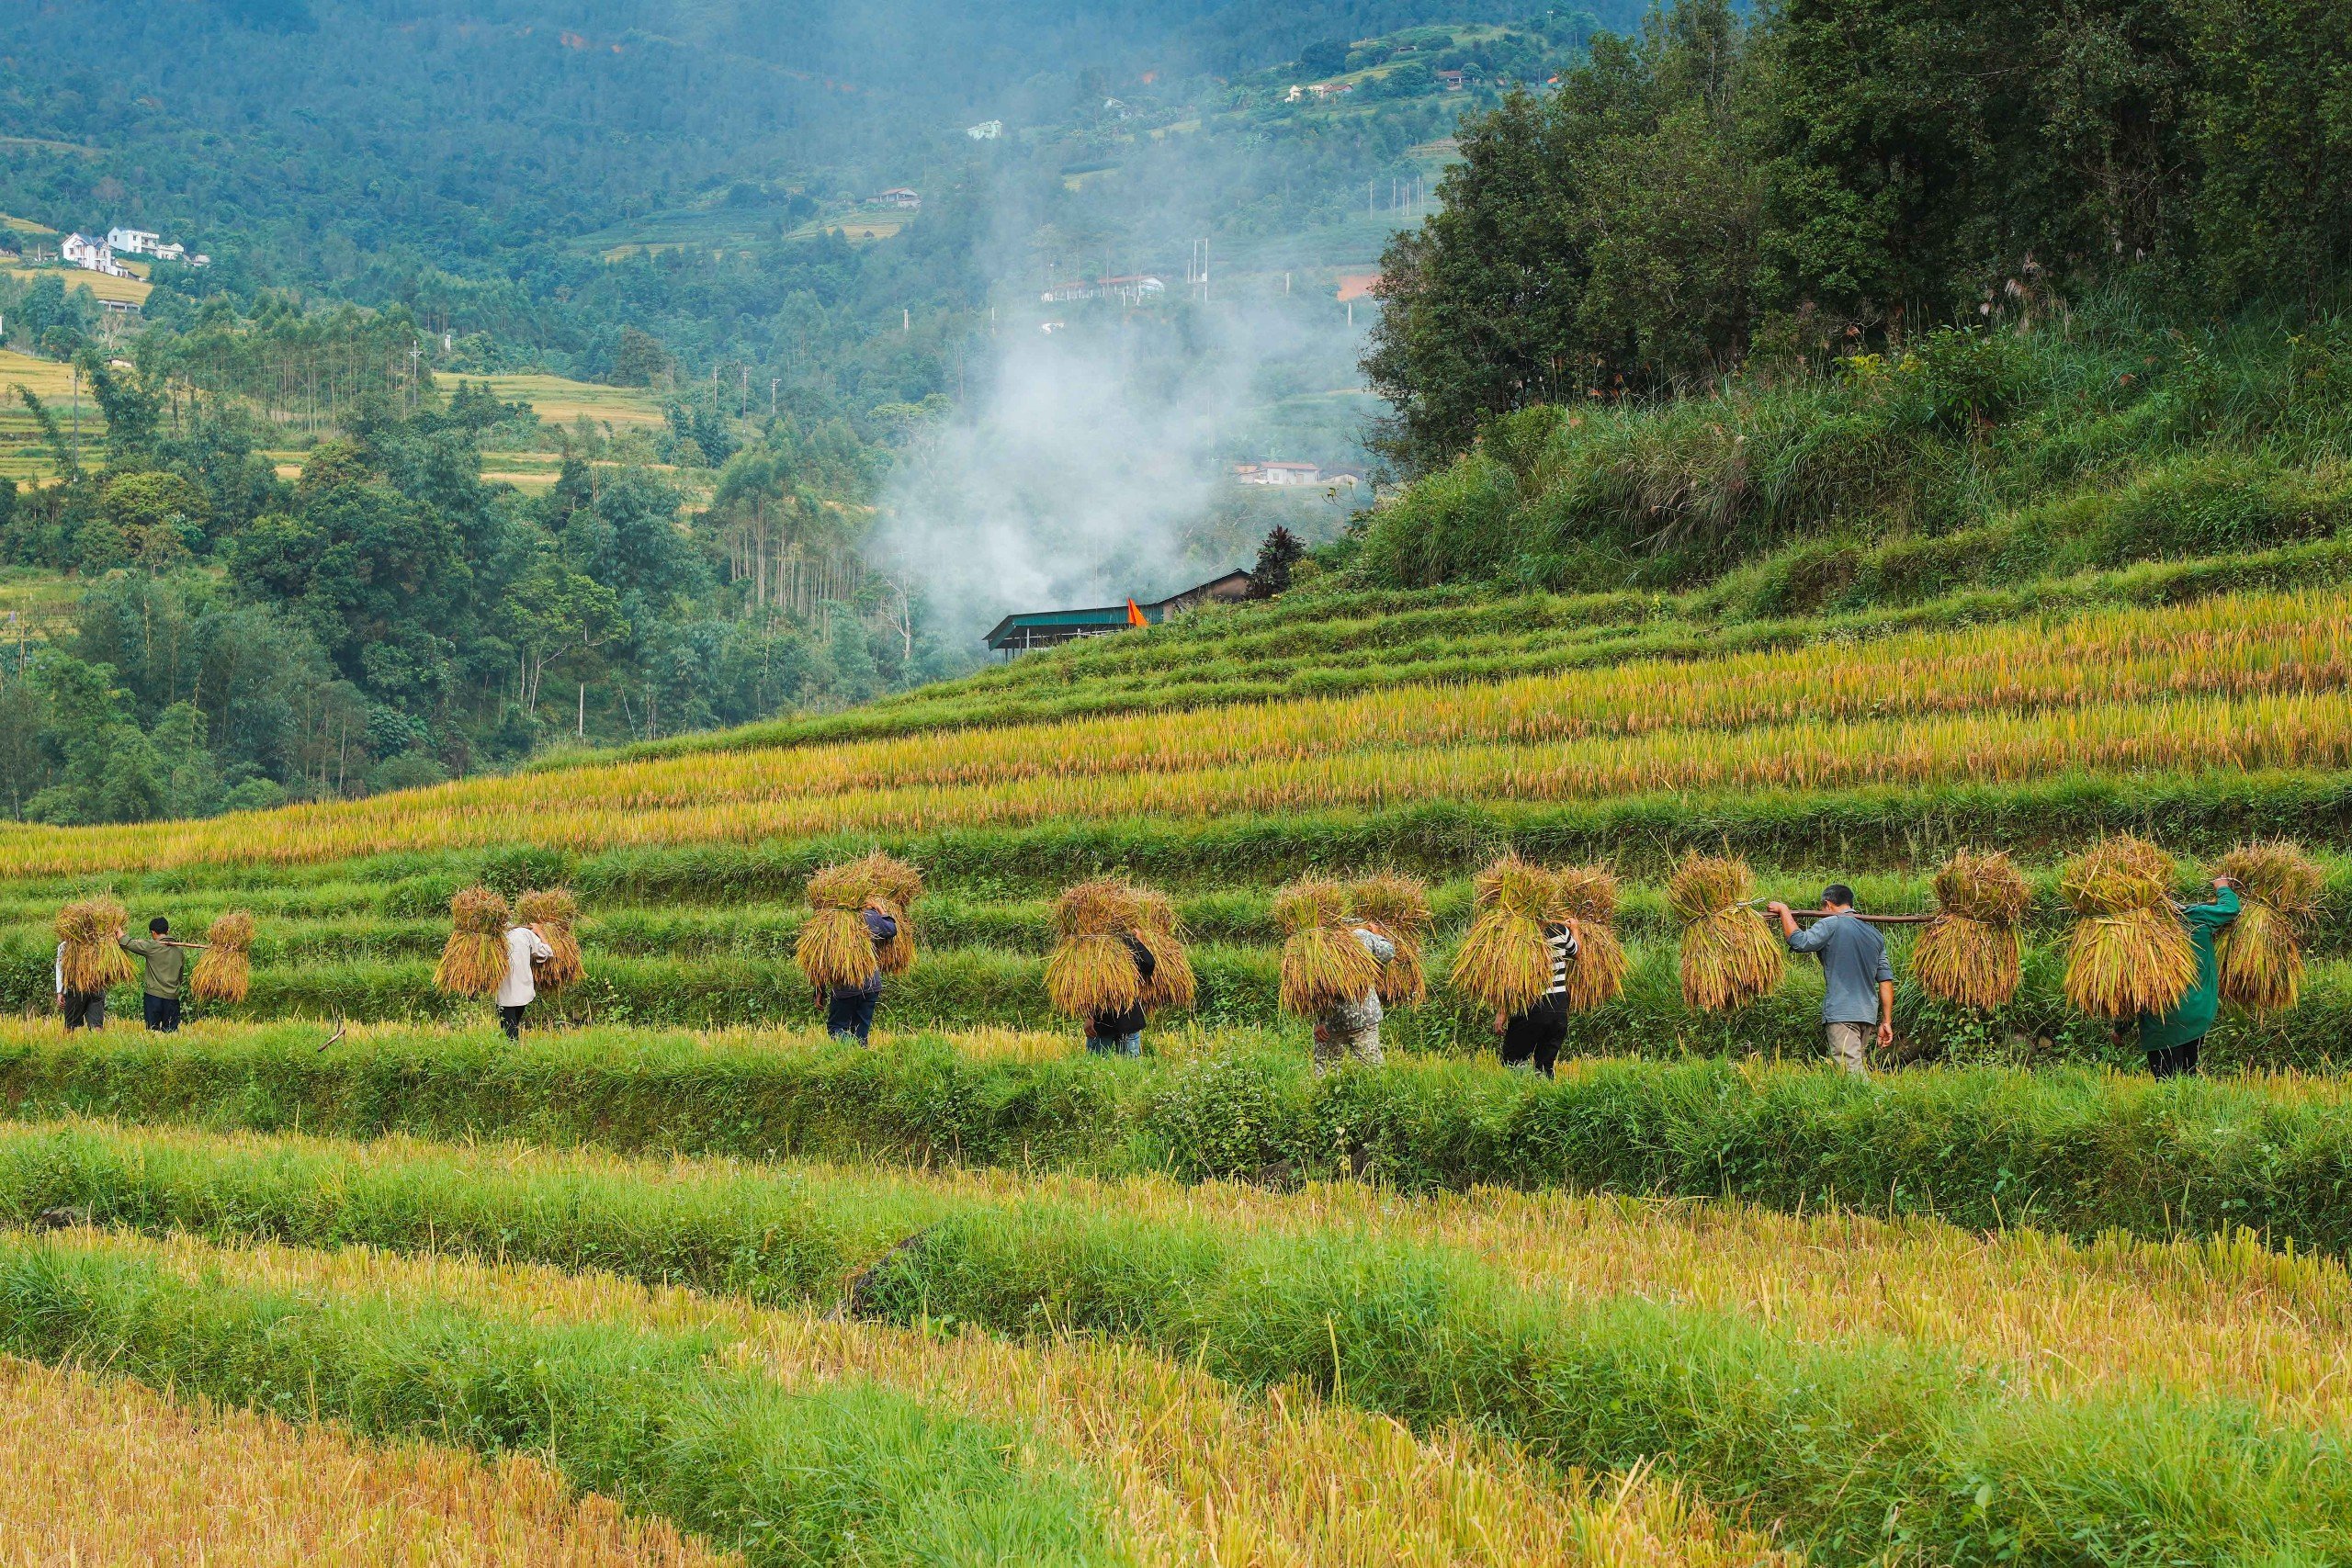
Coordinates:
[1080,470]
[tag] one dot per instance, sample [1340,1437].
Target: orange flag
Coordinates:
[1135,616]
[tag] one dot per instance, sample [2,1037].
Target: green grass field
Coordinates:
[973,1295]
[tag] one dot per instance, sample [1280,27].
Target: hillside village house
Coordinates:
[1454,81]
[900,198]
[91,255]
[140,243]
[1017,635]
[1132,288]
[1277,473]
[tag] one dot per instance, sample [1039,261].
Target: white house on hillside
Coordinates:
[91,255]
[141,242]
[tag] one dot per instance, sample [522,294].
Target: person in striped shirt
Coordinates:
[1532,1040]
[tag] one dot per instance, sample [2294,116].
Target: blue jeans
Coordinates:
[850,1015]
[1124,1045]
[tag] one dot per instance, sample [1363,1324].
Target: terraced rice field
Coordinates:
[559,399]
[676,1279]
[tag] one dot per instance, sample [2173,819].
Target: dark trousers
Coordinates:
[511,1021]
[1536,1035]
[850,1015]
[2176,1060]
[163,1014]
[86,1009]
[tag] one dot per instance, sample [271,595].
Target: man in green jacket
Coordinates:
[166,968]
[2174,1039]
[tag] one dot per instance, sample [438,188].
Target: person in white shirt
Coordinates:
[517,990]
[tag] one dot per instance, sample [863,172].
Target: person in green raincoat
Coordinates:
[2173,1039]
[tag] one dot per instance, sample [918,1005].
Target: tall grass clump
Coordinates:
[1323,964]
[2261,953]
[2129,954]
[92,962]
[850,1472]
[1398,907]
[1092,972]
[1503,962]
[1173,985]
[224,971]
[554,912]
[1730,956]
[1968,954]
[473,961]
[835,950]
[1587,894]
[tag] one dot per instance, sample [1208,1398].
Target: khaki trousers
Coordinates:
[1846,1044]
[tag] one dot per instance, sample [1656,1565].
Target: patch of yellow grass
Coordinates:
[134,289]
[2243,682]
[2228,1318]
[50,380]
[559,399]
[104,1471]
[1197,1473]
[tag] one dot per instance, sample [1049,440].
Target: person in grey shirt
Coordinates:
[1861,993]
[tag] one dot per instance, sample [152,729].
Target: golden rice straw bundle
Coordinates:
[1597,974]
[1172,982]
[474,961]
[554,911]
[92,959]
[1504,963]
[1398,906]
[893,885]
[1092,972]
[1323,963]
[1968,954]
[224,971]
[2261,953]
[2129,955]
[1730,956]
[835,950]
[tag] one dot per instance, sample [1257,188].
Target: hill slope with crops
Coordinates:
[973,1294]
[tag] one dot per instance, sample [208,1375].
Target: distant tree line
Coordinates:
[1808,180]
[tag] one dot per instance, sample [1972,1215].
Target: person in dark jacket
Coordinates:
[167,964]
[849,1009]
[2173,1040]
[1531,1041]
[1121,1034]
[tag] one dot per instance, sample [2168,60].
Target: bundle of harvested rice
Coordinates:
[474,961]
[2130,953]
[1730,956]
[554,911]
[836,950]
[1398,907]
[2261,953]
[1588,894]
[1092,972]
[1323,963]
[893,886]
[224,971]
[1172,982]
[92,959]
[1968,953]
[1504,963]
